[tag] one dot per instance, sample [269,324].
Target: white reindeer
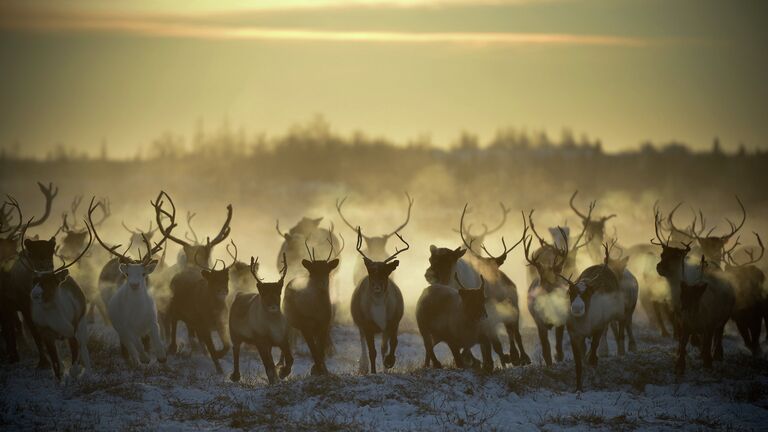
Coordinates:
[377,307]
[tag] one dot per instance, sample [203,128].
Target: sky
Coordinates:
[80,72]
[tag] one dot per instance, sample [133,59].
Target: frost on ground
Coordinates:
[638,391]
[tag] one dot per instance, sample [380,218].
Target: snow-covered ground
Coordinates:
[638,391]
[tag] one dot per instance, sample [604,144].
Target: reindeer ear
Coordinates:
[624,260]
[460,252]
[306,263]
[500,260]
[432,249]
[317,221]
[367,262]
[393,265]
[333,263]
[150,267]
[52,241]
[27,243]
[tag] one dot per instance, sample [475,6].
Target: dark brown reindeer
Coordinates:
[256,319]
[595,230]
[307,303]
[375,246]
[477,239]
[9,241]
[453,316]
[377,307]
[751,307]
[18,284]
[196,289]
[57,309]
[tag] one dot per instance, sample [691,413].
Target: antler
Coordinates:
[656,223]
[225,229]
[339,204]
[504,212]
[407,217]
[330,241]
[750,252]
[461,228]
[82,254]
[277,227]
[15,204]
[160,212]
[112,250]
[542,242]
[575,210]
[734,228]
[49,193]
[359,244]
[254,266]
[194,239]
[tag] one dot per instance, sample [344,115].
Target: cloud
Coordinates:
[170,27]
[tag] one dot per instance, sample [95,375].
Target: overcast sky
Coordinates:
[625,71]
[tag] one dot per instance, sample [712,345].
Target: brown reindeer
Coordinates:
[595,230]
[377,307]
[257,320]
[375,246]
[307,303]
[751,306]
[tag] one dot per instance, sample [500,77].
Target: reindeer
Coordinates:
[307,303]
[9,239]
[257,319]
[240,277]
[751,306]
[479,239]
[629,290]
[501,298]
[377,307]
[197,292]
[49,193]
[673,267]
[308,231]
[375,247]
[595,302]
[18,285]
[713,246]
[132,309]
[547,295]
[188,272]
[560,238]
[57,309]
[445,314]
[595,230]
[705,306]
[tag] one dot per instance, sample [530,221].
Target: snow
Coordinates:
[636,391]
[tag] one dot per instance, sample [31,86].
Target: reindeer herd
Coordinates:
[688,278]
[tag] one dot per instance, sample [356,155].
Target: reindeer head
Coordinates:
[269,292]
[137,235]
[217,281]
[472,300]
[497,260]
[379,271]
[74,234]
[46,280]
[560,235]
[376,247]
[321,269]
[306,227]
[581,292]
[712,246]
[616,265]
[672,258]
[441,263]
[594,228]
[136,271]
[196,254]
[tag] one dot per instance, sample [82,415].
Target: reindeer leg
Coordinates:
[208,342]
[603,342]
[485,349]
[364,362]
[157,343]
[495,343]
[741,324]
[389,360]
[74,352]
[657,308]
[9,319]
[558,343]
[265,352]
[317,358]
[545,349]
[596,335]
[681,352]
[632,345]
[173,324]
[287,359]
[50,346]
[429,349]
[371,343]
[718,343]
[39,344]
[235,376]
[457,355]
[706,349]
[755,326]
[578,358]
[514,355]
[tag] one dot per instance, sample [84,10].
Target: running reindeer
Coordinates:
[132,309]
[58,308]
[377,307]
[307,303]
[256,319]
[375,247]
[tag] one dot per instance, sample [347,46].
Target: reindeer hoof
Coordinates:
[389,361]
[284,371]
[318,370]
[525,360]
[162,360]
[559,357]
[172,349]
[592,361]
[235,377]
[488,367]
[632,347]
